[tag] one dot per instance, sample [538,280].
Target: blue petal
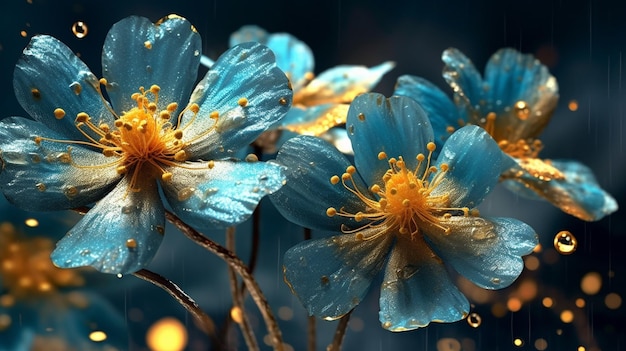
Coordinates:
[245,71]
[248,33]
[475,163]
[463,78]
[310,163]
[101,238]
[441,111]
[341,84]
[223,195]
[51,175]
[49,76]
[331,276]
[485,251]
[293,56]
[577,194]
[138,53]
[417,289]
[511,77]
[397,125]
[315,120]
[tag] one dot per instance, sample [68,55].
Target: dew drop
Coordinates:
[522,110]
[131,243]
[474,319]
[76,88]
[565,242]
[119,275]
[41,187]
[185,193]
[128,209]
[79,29]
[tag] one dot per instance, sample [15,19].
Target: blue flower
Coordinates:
[513,103]
[153,135]
[45,307]
[319,103]
[399,207]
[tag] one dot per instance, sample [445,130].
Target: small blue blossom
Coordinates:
[319,103]
[153,135]
[513,103]
[400,211]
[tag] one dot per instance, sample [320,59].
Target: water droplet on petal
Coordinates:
[79,29]
[565,242]
[522,110]
[474,319]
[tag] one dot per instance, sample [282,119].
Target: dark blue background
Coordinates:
[582,42]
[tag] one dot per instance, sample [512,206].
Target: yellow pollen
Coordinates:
[331,211]
[172,107]
[142,142]
[211,164]
[243,102]
[214,115]
[103,81]
[59,113]
[194,108]
[403,202]
[82,117]
[180,156]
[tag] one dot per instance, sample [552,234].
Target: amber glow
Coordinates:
[567,316]
[591,283]
[97,336]
[26,268]
[613,301]
[514,304]
[167,334]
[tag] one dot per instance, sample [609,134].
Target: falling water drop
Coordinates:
[565,242]
[522,110]
[474,319]
[79,29]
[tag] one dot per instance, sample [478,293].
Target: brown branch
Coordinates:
[241,269]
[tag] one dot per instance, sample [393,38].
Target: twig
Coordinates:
[205,322]
[311,337]
[240,317]
[241,269]
[311,328]
[339,333]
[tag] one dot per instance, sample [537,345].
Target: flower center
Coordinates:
[403,201]
[26,269]
[142,141]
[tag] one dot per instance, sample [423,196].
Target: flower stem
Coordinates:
[241,269]
[311,329]
[240,317]
[340,333]
[204,321]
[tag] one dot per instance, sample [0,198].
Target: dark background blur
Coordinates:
[582,42]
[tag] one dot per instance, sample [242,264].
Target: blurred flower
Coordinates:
[400,207]
[319,103]
[42,307]
[513,103]
[80,148]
